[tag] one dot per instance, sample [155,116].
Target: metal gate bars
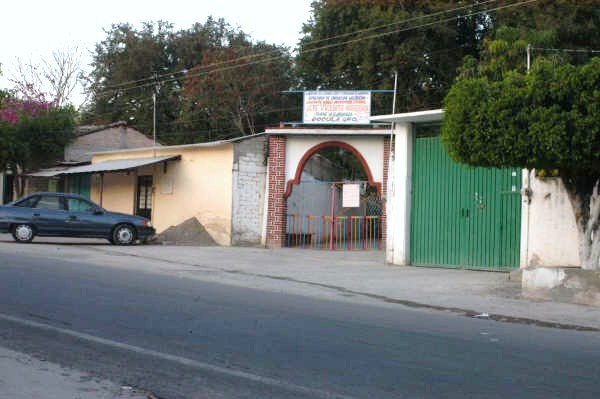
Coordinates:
[334,233]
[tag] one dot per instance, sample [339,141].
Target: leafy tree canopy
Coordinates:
[234,92]
[33,134]
[545,119]
[122,83]
[350,44]
[359,45]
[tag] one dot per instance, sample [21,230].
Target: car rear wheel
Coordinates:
[23,233]
[123,234]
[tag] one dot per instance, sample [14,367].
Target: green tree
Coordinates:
[122,86]
[236,89]
[547,119]
[33,135]
[119,84]
[575,23]
[342,48]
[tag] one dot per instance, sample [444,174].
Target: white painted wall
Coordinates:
[552,238]
[371,148]
[398,197]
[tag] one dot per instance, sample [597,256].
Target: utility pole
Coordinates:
[395,89]
[154,122]
[391,150]
[154,114]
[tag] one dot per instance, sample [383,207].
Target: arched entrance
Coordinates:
[333,201]
[288,153]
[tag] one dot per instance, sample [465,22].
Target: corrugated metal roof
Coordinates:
[106,166]
[118,165]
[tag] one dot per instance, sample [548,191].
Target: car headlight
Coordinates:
[147,223]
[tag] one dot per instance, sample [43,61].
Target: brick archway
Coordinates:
[327,144]
[279,189]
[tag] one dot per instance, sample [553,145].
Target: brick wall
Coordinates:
[384,185]
[249,180]
[276,213]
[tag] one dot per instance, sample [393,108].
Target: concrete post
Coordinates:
[398,203]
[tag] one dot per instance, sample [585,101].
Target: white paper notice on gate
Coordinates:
[351,196]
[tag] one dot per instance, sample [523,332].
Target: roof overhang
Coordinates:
[50,172]
[116,165]
[119,165]
[434,115]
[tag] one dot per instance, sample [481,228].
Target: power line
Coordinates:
[373,36]
[567,50]
[250,56]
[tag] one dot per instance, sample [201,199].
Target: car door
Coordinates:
[22,211]
[87,219]
[49,215]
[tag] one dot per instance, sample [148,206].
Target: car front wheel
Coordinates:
[123,234]
[23,233]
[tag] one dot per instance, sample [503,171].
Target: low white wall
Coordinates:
[552,238]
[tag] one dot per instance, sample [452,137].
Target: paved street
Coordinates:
[211,326]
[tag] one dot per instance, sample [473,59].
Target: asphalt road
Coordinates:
[185,338]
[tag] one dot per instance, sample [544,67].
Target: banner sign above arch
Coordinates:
[337,107]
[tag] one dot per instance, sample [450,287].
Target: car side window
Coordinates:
[52,203]
[79,205]
[27,202]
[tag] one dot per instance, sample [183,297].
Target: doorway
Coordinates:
[143,203]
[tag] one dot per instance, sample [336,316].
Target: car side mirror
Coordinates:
[97,211]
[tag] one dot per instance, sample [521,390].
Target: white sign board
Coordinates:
[337,107]
[351,196]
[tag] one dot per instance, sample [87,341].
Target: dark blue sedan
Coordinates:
[70,215]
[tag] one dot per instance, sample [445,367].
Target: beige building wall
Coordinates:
[117,192]
[199,185]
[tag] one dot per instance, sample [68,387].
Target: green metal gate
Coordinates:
[461,216]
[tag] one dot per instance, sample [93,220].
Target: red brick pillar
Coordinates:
[277,204]
[386,165]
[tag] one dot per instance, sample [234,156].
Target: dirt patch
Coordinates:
[190,232]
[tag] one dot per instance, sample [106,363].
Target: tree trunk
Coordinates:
[585,201]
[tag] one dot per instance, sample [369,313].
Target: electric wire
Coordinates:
[184,71]
[328,46]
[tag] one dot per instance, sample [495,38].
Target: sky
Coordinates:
[32,30]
